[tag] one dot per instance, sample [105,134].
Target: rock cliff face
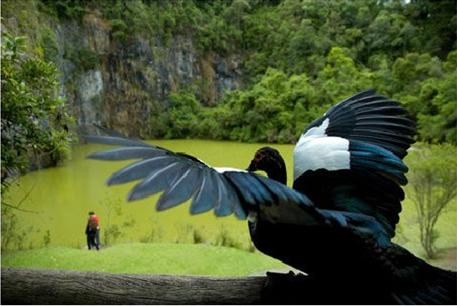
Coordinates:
[120,83]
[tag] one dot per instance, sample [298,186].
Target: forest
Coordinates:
[252,71]
[299,57]
[296,59]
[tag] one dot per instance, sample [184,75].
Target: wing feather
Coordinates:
[224,206]
[137,170]
[181,190]
[378,132]
[157,181]
[127,153]
[182,177]
[206,195]
[242,185]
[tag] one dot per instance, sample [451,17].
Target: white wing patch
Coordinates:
[321,152]
[227,169]
[315,150]
[316,131]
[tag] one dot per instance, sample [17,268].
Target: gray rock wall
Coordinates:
[119,83]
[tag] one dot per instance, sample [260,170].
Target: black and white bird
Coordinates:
[337,221]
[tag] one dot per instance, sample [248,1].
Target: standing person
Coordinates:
[93,231]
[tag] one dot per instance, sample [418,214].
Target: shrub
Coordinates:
[432,187]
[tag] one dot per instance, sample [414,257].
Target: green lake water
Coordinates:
[61,198]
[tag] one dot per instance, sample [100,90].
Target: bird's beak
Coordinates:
[252,166]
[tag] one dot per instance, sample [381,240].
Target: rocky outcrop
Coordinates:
[128,80]
[119,83]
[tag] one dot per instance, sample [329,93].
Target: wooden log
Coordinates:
[33,286]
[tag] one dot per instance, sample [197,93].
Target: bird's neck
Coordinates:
[277,171]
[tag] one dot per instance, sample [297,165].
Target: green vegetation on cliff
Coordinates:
[287,61]
[279,106]
[302,56]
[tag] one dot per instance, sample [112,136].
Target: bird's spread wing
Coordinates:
[226,191]
[350,159]
[182,177]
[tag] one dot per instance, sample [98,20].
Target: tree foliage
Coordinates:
[404,50]
[274,109]
[34,120]
[432,187]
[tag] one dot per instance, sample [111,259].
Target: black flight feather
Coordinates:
[139,169]
[157,181]
[125,153]
[206,196]
[181,190]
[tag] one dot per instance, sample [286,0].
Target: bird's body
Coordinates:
[353,268]
[337,222]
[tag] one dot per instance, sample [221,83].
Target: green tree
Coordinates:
[341,77]
[34,120]
[183,115]
[432,187]
[276,109]
[438,122]
[391,32]
[435,21]
[34,124]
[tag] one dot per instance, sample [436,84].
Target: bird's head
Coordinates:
[269,160]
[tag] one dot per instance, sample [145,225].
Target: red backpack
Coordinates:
[93,222]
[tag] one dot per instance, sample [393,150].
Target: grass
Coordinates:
[147,258]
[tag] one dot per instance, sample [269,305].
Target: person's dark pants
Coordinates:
[91,239]
[97,239]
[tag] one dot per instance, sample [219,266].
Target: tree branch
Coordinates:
[18,205]
[19,209]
